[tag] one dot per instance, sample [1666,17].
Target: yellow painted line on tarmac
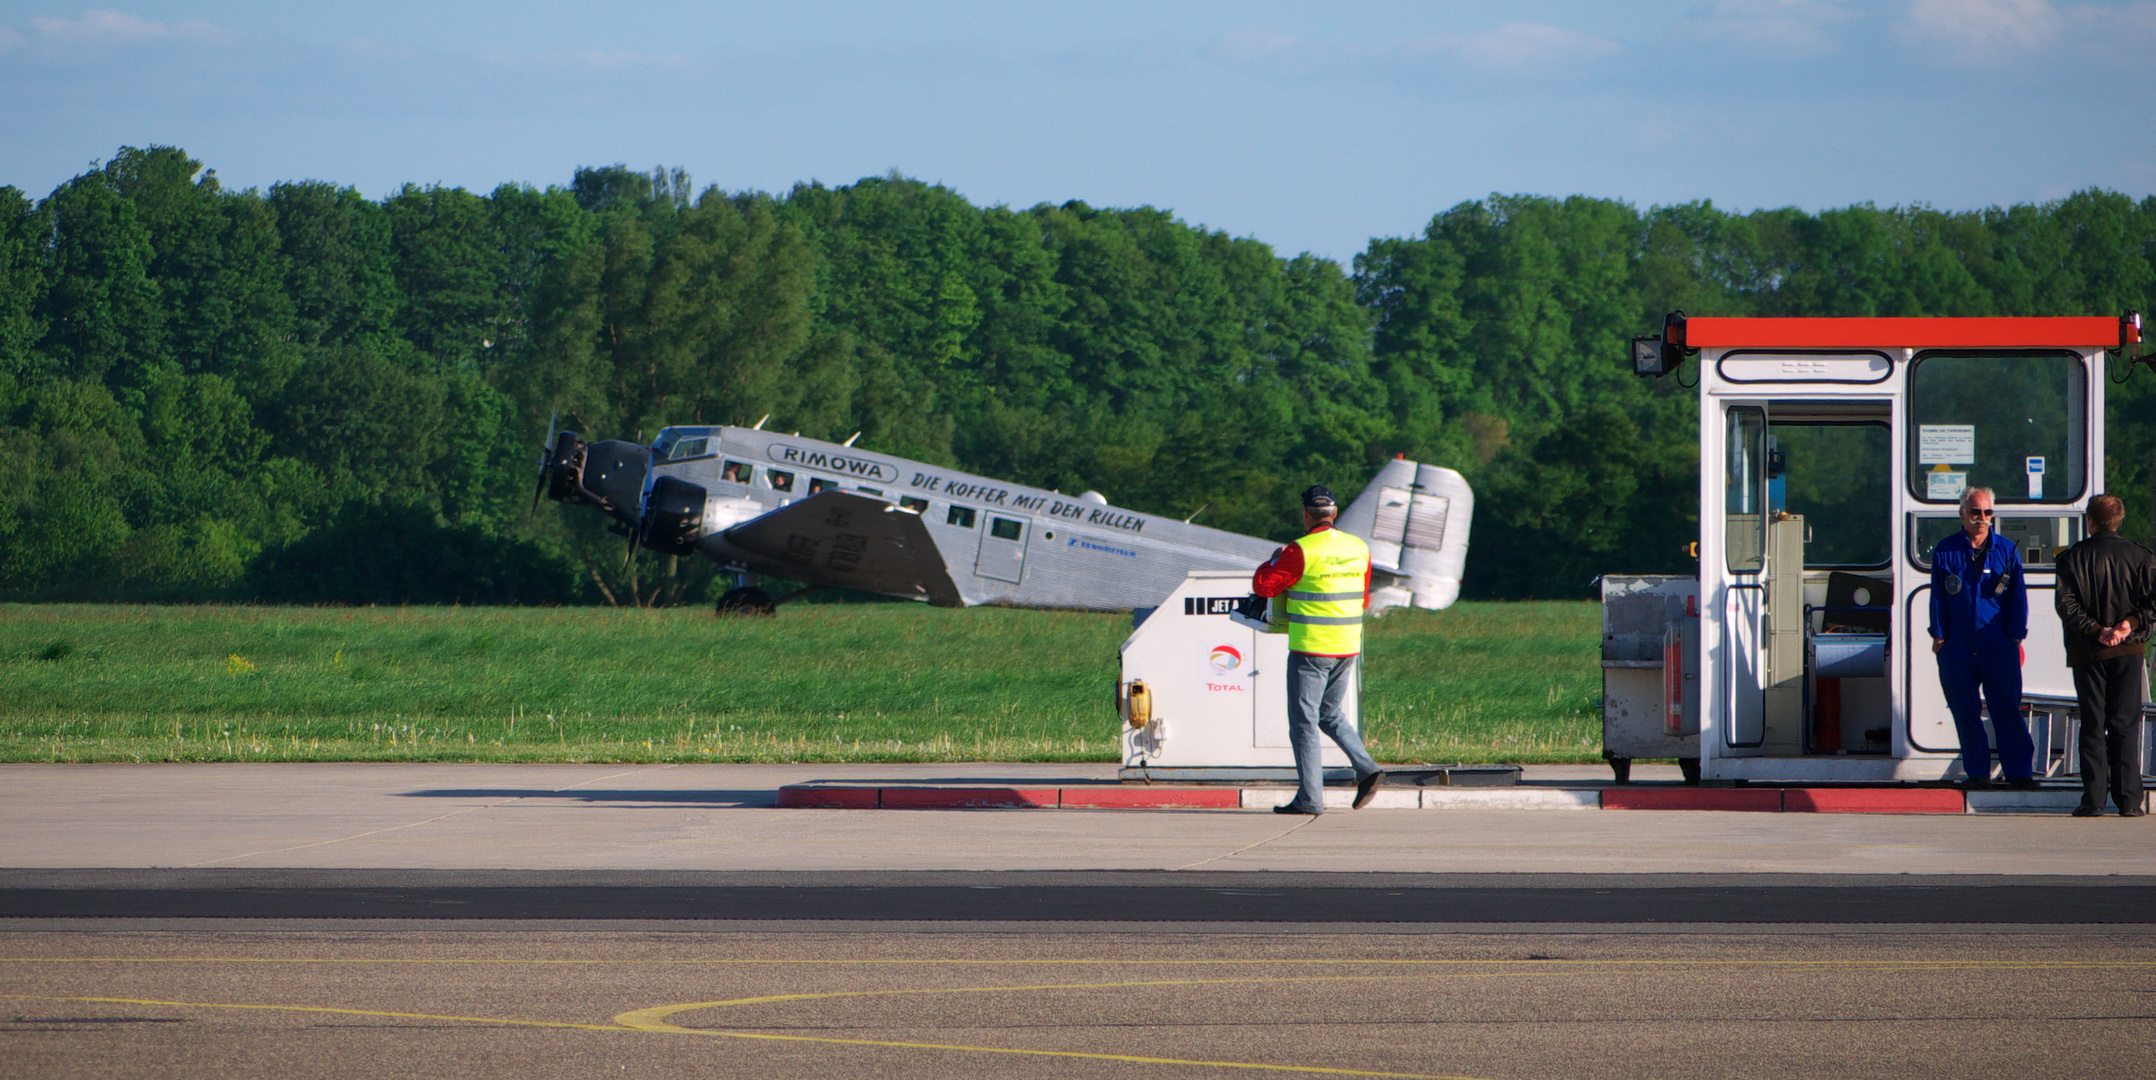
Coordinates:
[655,1020]
[658,1026]
[320,1009]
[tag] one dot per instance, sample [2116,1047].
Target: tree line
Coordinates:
[307,395]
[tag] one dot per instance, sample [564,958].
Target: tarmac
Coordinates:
[725,817]
[392,920]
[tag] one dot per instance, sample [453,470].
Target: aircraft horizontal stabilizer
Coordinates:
[852,541]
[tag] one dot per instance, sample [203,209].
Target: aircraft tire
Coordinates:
[749,601]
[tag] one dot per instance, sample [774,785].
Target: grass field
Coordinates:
[819,683]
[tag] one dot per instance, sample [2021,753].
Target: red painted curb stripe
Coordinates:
[1873,801]
[1153,798]
[966,798]
[828,798]
[1755,799]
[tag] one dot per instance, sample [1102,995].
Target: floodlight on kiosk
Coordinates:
[1658,356]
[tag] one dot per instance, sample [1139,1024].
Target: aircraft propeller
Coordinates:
[546,464]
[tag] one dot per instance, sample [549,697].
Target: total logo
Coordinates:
[1225,660]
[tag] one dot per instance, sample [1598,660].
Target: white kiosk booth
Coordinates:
[1833,453]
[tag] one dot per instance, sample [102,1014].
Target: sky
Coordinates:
[1310,126]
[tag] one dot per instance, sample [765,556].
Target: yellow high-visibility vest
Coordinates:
[1324,607]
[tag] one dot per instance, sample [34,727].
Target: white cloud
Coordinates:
[1261,42]
[103,28]
[1513,47]
[1976,27]
[1789,28]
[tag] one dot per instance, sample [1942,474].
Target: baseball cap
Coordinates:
[1318,497]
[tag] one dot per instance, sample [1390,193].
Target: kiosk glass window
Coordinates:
[1744,540]
[1836,477]
[2015,424]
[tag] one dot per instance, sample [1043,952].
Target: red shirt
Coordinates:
[1285,568]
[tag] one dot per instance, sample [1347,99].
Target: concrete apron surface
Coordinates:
[727,817]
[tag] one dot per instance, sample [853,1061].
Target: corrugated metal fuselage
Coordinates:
[1002,543]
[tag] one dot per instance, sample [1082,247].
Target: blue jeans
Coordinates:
[1316,687]
[1992,668]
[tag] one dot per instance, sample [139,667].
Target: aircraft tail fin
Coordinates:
[1416,519]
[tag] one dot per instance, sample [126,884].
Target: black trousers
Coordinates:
[2110,693]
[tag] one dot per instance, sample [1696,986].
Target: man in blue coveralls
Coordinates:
[1979,615]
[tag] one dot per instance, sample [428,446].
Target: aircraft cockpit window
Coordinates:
[908,502]
[961,516]
[869,490]
[818,483]
[780,481]
[1005,529]
[739,472]
[688,448]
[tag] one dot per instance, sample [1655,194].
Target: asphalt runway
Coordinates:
[657,921]
[1132,1004]
[479,897]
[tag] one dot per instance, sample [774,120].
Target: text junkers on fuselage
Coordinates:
[829,514]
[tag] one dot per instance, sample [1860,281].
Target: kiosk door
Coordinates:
[1744,551]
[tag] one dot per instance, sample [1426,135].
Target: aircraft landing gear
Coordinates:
[747,601]
[1622,767]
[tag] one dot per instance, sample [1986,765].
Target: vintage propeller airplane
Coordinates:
[822,513]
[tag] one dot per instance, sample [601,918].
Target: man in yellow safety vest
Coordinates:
[1324,581]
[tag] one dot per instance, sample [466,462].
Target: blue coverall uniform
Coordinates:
[1980,607]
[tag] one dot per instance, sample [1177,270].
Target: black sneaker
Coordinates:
[1975,783]
[1366,788]
[2132,811]
[1291,808]
[2024,783]
[2085,810]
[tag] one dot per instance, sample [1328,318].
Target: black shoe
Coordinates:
[1975,783]
[1366,788]
[2133,811]
[1291,808]
[2024,783]
[2087,811]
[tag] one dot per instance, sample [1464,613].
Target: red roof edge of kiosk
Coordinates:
[2080,331]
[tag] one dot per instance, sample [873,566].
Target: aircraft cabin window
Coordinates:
[818,483]
[688,448]
[913,504]
[2015,424]
[1005,529]
[961,516]
[739,472]
[780,481]
[869,490]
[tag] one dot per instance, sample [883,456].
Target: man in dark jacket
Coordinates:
[2106,601]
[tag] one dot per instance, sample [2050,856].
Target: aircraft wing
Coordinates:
[838,538]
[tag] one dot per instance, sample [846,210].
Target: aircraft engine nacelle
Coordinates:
[674,515]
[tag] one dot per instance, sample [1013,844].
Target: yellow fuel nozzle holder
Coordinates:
[1138,704]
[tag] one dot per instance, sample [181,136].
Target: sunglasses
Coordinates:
[1982,512]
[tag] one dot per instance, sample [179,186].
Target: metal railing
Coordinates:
[2050,715]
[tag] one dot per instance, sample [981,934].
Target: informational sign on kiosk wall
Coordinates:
[2036,478]
[1945,444]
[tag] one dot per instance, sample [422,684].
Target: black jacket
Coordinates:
[2102,580]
